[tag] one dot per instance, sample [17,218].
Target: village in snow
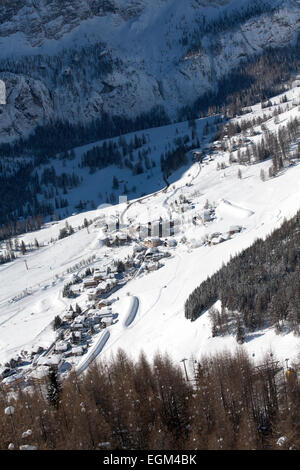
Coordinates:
[121,277]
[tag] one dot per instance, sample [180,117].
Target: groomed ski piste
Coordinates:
[149,309]
[130,305]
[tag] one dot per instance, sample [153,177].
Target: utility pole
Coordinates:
[183,360]
[26,264]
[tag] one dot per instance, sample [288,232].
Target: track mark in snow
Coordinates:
[93,353]
[228,208]
[133,311]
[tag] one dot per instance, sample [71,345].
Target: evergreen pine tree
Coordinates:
[54,388]
[57,322]
[240,332]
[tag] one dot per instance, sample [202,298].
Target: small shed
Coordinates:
[171,242]
[107,320]
[153,242]
[205,216]
[104,303]
[121,238]
[90,283]
[234,229]
[76,326]
[153,266]
[61,346]
[78,351]
[217,240]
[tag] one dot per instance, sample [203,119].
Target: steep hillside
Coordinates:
[76,60]
[112,286]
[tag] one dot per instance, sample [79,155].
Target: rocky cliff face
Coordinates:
[73,59]
[39,20]
[28,103]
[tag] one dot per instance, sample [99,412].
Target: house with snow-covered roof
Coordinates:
[152,242]
[234,229]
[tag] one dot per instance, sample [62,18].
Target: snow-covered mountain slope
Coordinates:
[97,185]
[126,57]
[31,288]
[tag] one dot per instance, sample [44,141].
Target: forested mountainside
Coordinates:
[81,72]
[259,287]
[24,161]
[73,61]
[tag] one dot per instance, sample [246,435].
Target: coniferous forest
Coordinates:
[259,287]
[227,403]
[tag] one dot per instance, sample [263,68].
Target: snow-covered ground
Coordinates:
[151,318]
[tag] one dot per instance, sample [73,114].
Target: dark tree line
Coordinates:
[19,190]
[60,136]
[172,160]
[260,286]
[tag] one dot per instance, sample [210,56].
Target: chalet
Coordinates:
[122,238]
[107,286]
[52,361]
[234,229]
[106,311]
[39,375]
[104,303]
[195,244]
[78,351]
[76,337]
[76,326]
[151,252]
[13,380]
[217,240]
[153,266]
[80,317]
[61,346]
[99,275]
[157,256]
[218,143]
[152,242]
[108,321]
[15,362]
[93,294]
[205,216]
[90,283]
[137,248]
[172,243]
[69,315]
